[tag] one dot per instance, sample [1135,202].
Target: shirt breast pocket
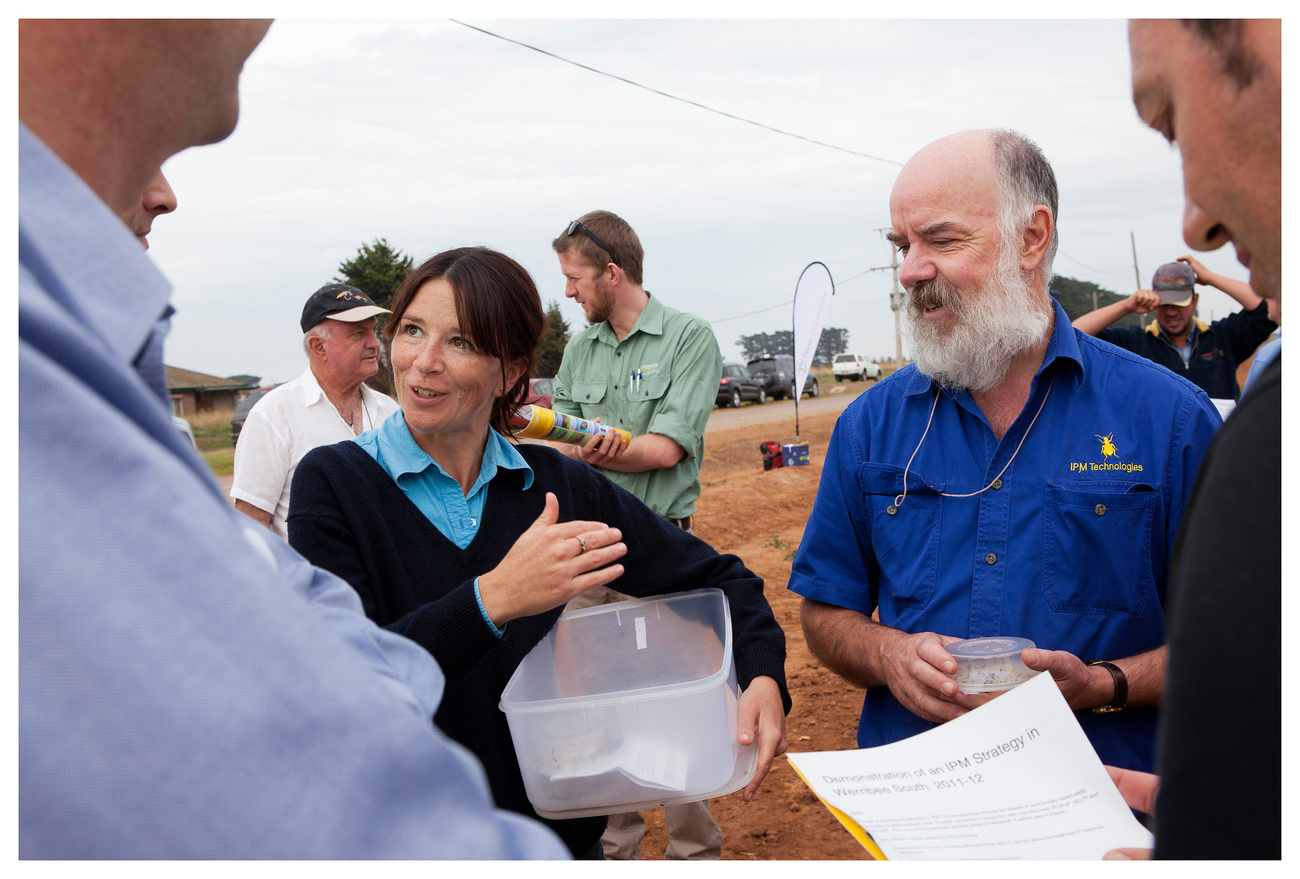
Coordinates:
[644,397]
[904,537]
[1097,547]
[587,393]
[649,388]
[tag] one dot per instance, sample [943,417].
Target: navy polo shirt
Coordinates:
[1070,548]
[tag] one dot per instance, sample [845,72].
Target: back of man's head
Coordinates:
[622,247]
[115,99]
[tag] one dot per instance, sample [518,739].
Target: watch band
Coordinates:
[1120,699]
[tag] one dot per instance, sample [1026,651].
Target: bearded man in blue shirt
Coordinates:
[1020,479]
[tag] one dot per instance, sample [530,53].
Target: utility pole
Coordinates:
[895,302]
[1136,274]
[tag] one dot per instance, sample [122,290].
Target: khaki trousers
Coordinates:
[693,835]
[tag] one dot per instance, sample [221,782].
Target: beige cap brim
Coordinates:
[361,312]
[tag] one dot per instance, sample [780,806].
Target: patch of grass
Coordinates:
[222,461]
[719,482]
[776,542]
[211,430]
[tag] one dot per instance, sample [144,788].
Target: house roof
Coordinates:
[188,380]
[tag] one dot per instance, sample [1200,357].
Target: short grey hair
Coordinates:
[1025,180]
[324,330]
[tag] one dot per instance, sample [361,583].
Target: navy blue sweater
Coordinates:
[1217,349]
[349,517]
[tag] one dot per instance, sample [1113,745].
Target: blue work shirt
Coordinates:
[1069,549]
[189,686]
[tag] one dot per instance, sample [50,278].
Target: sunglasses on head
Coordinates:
[573,230]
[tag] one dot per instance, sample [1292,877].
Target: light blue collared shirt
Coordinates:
[453,512]
[1264,356]
[189,686]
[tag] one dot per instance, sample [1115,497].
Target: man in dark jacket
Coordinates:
[1205,354]
[1214,87]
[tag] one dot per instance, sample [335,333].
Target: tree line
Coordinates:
[834,340]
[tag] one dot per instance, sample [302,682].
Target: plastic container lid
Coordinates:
[990,665]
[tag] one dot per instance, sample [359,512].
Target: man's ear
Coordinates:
[317,345]
[1036,238]
[613,274]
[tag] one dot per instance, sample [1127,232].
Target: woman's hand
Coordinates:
[548,565]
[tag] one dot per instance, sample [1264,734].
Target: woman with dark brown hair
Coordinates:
[452,535]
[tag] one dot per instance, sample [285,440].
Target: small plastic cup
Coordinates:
[990,665]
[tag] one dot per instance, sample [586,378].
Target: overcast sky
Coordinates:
[433,135]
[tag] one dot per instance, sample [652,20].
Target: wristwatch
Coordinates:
[1120,698]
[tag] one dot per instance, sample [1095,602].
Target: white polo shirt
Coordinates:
[286,424]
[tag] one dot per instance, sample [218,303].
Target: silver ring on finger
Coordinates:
[581,543]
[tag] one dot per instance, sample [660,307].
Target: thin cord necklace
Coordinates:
[898,499]
[365,415]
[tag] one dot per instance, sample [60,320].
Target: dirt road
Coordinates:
[832,400]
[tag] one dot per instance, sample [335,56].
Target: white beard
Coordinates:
[972,350]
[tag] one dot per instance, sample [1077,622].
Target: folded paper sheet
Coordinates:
[1015,778]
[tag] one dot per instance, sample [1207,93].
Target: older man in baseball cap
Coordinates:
[328,403]
[1205,354]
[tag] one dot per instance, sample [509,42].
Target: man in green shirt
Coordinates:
[652,371]
[641,366]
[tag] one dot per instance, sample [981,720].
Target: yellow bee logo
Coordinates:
[1108,449]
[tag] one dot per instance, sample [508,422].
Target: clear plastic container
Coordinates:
[629,706]
[990,665]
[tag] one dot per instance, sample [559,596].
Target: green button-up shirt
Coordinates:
[679,366]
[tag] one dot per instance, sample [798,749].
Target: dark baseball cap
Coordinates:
[1175,282]
[339,302]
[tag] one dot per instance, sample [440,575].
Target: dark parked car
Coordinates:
[777,374]
[241,412]
[739,384]
[540,391]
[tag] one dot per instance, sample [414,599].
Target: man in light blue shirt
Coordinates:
[189,687]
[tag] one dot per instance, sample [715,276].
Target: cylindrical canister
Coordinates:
[536,422]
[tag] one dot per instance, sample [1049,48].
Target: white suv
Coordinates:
[854,367]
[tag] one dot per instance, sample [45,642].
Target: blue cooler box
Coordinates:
[795,455]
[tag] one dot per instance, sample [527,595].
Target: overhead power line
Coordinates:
[676,98]
[721,320]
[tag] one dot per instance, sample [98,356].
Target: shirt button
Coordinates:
[616,387]
[1100,509]
[891,509]
[618,353]
[997,483]
[991,559]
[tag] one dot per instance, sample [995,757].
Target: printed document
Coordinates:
[1015,778]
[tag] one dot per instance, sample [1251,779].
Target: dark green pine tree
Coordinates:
[377,270]
[550,350]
